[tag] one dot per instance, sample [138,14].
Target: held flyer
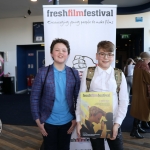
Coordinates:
[96,114]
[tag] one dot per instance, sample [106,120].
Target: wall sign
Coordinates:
[138,19]
[38,32]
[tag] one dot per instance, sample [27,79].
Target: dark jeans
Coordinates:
[117,144]
[57,138]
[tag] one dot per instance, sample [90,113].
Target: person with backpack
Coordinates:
[53,98]
[104,79]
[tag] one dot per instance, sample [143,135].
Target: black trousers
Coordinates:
[57,138]
[117,144]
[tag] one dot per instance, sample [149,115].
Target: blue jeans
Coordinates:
[117,144]
[57,138]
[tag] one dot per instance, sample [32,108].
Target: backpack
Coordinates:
[90,74]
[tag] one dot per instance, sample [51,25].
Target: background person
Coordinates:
[128,70]
[54,111]
[140,109]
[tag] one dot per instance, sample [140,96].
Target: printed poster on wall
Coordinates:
[1,69]
[84,26]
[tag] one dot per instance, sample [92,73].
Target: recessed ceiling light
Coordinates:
[33,0]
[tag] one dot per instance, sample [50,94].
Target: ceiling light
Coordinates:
[33,0]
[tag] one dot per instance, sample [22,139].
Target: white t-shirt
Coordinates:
[104,81]
[130,70]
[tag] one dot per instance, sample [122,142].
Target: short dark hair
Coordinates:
[129,60]
[65,42]
[106,45]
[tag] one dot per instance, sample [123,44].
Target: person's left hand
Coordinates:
[72,127]
[115,131]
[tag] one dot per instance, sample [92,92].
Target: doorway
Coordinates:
[27,63]
[129,44]
[40,57]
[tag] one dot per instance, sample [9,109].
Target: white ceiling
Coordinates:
[19,8]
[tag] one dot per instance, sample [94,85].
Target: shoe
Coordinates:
[136,127]
[140,130]
[135,133]
[145,125]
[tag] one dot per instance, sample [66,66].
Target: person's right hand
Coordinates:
[115,131]
[78,129]
[41,128]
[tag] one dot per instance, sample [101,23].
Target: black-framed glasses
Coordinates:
[101,54]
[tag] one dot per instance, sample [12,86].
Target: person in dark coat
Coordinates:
[140,108]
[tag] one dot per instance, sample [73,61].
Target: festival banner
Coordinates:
[79,143]
[84,26]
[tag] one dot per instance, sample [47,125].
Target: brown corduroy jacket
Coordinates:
[140,106]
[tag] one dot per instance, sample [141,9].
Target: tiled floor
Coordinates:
[29,138]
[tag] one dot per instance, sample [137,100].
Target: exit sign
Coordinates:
[138,19]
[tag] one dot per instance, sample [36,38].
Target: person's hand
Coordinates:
[78,129]
[72,127]
[41,128]
[115,131]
